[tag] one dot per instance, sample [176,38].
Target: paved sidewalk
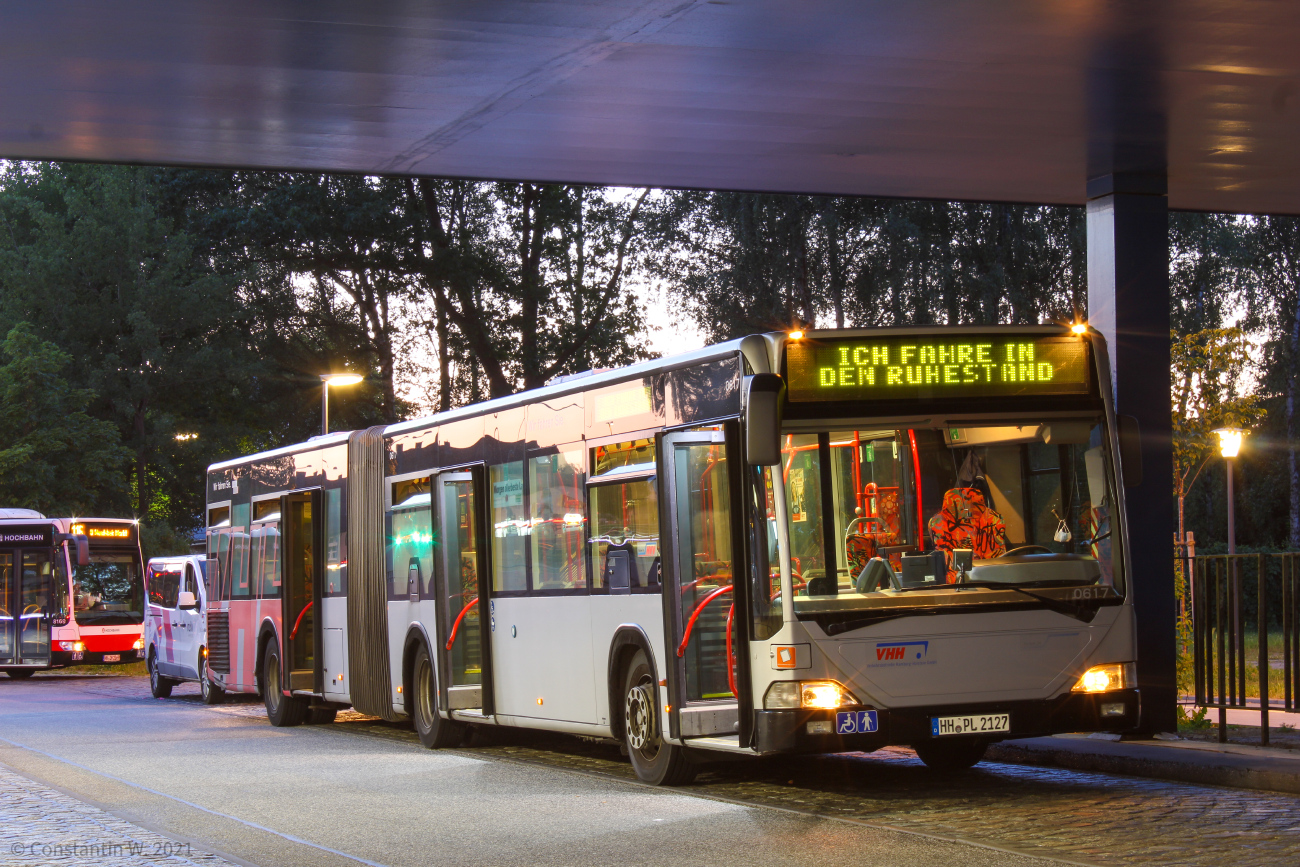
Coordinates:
[40,826]
[1189,761]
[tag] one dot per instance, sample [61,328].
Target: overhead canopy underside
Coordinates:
[1011,100]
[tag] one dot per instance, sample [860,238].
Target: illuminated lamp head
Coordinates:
[1230,441]
[796,334]
[1079,328]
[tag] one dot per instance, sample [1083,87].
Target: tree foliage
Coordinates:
[54,457]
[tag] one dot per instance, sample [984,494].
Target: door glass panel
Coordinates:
[299,566]
[35,600]
[460,527]
[703,505]
[7,625]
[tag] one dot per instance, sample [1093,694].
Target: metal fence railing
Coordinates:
[1237,599]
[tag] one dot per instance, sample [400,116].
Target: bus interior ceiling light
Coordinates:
[1230,441]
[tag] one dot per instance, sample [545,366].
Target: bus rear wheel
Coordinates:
[654,760]
[282,710]
[159,686]
[435,732]
[951,756]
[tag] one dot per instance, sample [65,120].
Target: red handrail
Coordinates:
[731,659]
[690,624]
[920,517]
[456,626]
[298,622]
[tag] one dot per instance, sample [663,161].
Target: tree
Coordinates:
[1208,368]
[55,458]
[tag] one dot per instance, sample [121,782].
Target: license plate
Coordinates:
[112,657]
[855,722]
[976,724]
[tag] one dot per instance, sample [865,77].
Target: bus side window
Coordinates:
[557,534]
[510,527]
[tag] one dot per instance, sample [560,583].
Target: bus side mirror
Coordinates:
[185,601]
[83,549]
[1130,450]
[764,398]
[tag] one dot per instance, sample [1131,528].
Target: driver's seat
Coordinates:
[966,521]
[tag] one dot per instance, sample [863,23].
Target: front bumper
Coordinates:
[786,731]
[61,658]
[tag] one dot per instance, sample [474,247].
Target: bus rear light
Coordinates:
[817,694]
[1109,677]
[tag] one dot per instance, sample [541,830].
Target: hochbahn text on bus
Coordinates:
[804,542]
[71,592]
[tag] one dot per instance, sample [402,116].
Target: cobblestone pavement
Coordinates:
[40,826]
[1072,815]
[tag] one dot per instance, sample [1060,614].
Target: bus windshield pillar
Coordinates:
[1128,302]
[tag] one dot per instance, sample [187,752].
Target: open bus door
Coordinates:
[705,607]
[463,592]
[303,583]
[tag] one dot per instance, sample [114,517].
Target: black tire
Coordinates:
[655,762]
[208,691]
[159,686]
[282,710]
[20,673]
[321,716]
[951,756]
[435,732]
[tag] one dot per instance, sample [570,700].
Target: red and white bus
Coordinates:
[838,540]
[70,612]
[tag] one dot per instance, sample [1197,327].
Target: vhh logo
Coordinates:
[901,651]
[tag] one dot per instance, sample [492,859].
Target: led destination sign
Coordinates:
[902,367]
[106,532]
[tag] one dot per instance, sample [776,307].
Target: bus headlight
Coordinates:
[1109,677]
[819,694]
[139,644]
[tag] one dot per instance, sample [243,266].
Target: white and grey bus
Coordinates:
[837,540]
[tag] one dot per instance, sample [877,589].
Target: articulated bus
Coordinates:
[70,592]
[804,542]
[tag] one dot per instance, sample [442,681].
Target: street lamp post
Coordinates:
[1229,446]
[326,380]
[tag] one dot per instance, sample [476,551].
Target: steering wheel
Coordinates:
[1026,549]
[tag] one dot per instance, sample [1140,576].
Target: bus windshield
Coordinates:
[912,514]
[108,592]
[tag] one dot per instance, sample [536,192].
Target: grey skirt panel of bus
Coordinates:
[368,666]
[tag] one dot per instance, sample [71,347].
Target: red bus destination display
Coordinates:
[919,366]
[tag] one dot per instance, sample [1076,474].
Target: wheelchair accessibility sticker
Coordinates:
[855,722]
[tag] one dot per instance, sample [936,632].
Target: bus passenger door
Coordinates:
[303,579]
[34,597]
[8,616]
[703,619]
[464,652]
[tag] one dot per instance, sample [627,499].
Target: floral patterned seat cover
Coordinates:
[965,521]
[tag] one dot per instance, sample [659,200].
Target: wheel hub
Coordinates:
[640,717]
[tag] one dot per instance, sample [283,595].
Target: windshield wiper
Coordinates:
[1078,612]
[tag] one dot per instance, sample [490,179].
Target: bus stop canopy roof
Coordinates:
[958,99]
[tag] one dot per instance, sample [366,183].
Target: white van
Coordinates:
[175,625]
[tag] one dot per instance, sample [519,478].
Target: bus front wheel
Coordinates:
[281,710]
[950,756]
[20,673]
[159,686]
[654,760]
[435,732]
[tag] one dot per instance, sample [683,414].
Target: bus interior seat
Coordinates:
[966,521]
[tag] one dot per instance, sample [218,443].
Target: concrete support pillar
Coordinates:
[1128,302]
